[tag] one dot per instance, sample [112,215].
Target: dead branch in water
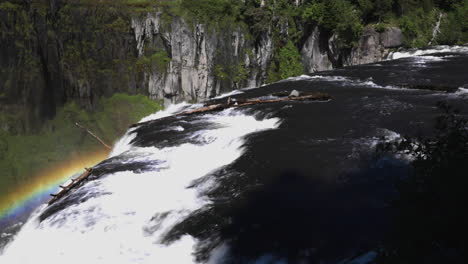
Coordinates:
[240,103]
[93,135]
[74,183]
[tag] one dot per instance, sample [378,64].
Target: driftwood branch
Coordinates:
[241,103]
[213,106]
[93,135]
[68,188]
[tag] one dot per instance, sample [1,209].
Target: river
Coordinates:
[286,182]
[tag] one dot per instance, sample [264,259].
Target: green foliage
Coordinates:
[290,61]
[449,4]
[220,73]
[211,12]
[119,25]
[156,62]
[235,73]
[21,32]
[22,155]
[94,49]
[416,18]
[160,60]
[8,6]
[382,8]
[240,73]
[116,113]
[258,19]
[287,63]
[316,12]
[338,16]
[367,8]
[454,27]
[417,27]
[380,27]
[273,73]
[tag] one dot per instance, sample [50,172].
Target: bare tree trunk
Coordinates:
[93,135]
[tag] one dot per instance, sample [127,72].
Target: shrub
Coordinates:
[454,27]
[417,27]
[290,61]
[337,16]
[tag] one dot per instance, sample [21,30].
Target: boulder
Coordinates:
[392,37]
[374,46]
[294,93]
[314,57]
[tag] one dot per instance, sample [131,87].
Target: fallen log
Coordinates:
[74,183]
[210,106]
[230,103]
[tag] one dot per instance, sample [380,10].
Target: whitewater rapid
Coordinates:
[128,214]
[424,52]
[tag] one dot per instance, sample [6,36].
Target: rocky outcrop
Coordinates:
[322,52]
[314,56]
[374,46]
[202,62]
[392,37]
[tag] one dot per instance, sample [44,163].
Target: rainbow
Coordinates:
[18,200]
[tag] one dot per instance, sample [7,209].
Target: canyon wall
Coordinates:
[55,51]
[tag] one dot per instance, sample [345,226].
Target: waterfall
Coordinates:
[436,29]
[129,213]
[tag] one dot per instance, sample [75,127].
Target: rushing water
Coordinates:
[288,182]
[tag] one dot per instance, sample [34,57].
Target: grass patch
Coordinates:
[22,156]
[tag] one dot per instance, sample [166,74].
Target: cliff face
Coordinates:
[58,51]
[202,62]
[51,52]
[197,55]
[374,46]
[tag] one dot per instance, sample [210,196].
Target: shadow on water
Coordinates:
[288,211]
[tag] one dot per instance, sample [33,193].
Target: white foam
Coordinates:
[171,110]
[330,78]
[175,128]
[124,145]
[462,90]
[319,77]
[432,50]
[128,220]
[299,78]
[234,92]
[372,84]
[422,61]
[346,81]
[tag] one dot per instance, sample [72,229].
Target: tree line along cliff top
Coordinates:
[346,17]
